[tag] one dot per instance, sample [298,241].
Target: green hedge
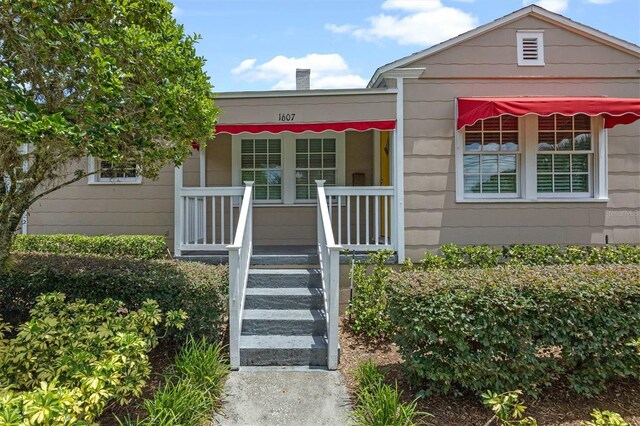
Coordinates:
[454,256]
[197,288]
[518,328]
[135,246]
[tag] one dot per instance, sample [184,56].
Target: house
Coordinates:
[523,130]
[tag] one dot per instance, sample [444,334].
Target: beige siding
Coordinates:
[111,209]
[485,66]
[308,109]
[566,54]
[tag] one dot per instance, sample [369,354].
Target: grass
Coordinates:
[191,390]
[379,404]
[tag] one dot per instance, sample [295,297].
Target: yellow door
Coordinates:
[385,180]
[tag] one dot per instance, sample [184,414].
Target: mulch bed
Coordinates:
[556,407]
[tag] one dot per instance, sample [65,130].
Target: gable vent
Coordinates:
[530,48]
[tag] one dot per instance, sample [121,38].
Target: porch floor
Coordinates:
[273,255]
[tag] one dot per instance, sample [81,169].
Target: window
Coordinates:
[284,168]
[261,162]
[108,173]
[565,155]
[530,46]
[315,160]
[532,158]
[491,156]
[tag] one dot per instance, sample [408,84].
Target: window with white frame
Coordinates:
[261,162]
[491,157]
[315,160]
[285,167]
[565,155]
[107,172]
[532,158]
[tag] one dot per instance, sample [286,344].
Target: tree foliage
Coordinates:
[114,79]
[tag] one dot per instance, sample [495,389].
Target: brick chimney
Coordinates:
[303,79]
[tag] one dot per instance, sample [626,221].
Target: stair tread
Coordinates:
[283,291]
[306,271]
[282,342]
[284,314]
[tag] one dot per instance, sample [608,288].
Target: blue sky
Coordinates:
[258,44]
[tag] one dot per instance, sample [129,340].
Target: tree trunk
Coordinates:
[6,239]
[9,222]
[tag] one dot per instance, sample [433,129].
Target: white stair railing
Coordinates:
[239,260]
[329,256]
[208,216]
[362,217]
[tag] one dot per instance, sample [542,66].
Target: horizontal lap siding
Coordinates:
[308,109]
[81,208]
[432,216]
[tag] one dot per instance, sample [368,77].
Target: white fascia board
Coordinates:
[303,93]
[532,10]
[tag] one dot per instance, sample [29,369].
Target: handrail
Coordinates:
[329,256]
[239,260]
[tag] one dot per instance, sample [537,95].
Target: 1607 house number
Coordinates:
[286,116]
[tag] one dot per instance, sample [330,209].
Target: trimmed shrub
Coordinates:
[135,246]
[70,359]
[368,309]
[518,328]
[197,288]
[483,256]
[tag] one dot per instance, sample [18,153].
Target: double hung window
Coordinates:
[533,158]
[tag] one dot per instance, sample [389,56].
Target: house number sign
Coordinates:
[286,116]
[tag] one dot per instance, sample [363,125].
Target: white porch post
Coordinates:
[177,210]
[398,171]
[203,166]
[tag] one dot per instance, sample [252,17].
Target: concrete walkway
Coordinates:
[282,397]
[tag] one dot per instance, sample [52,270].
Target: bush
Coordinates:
[379,404]
[518,328]
[483,256]
[70,359]
[507,408]
[198,289]
[606,418]
[135,246]
[368,309]
[192,388]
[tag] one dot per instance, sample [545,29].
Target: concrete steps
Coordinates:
[284,321]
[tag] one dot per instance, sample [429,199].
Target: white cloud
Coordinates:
[245,65]
[328,71]
[600,1]
[339,29]
[176,12]
[420,22]
[557,6]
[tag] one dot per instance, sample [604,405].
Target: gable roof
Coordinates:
[532,10]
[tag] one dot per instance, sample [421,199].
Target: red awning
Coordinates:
[342,126]
[614,110]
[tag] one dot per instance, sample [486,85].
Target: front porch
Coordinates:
[297,296]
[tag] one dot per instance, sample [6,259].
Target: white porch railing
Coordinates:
[329,255]
[362,216]
[239,260]
[208,216]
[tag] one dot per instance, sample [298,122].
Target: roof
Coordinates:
[533,10]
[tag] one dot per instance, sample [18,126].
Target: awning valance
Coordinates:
[341,126]
[614,110]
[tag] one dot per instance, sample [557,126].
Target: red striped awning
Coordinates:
[341,126]
[613,110]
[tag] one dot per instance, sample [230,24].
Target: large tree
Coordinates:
[115,79]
